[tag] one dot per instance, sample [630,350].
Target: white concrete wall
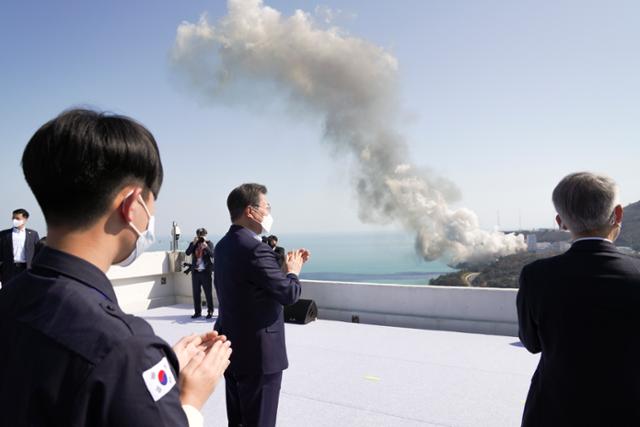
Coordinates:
[146,283]
[149,282]
[478,310]
[184,295]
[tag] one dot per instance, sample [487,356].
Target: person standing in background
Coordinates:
[272,241]
[201,251]
[17,246]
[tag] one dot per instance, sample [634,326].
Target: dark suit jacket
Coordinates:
[581,309]
[207,254]
[252,289]
[6,250]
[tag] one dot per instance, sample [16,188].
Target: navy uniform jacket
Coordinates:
[6,250]
[70,357]
[252,290]
[581,309]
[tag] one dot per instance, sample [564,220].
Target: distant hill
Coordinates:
[504,272]
[546,235]
[501,273]
[630,235]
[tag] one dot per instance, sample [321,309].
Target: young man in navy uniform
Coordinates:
[69,356]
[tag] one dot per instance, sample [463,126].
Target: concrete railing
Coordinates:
[152,281]
[478,310]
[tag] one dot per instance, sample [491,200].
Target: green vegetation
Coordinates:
[501,273]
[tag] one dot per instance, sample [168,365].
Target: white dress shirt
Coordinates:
[19,237]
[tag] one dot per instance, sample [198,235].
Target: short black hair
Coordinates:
[77,162]
[243,196]
[273,237]
[201,232]
[22,212]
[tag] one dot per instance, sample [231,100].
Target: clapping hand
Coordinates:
[305,254]
[190,345]
[295,259]
[203,359]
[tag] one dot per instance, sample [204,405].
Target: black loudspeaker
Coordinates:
[302,312]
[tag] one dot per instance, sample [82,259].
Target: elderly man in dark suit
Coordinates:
[252,290]
[17,246]
[581,311]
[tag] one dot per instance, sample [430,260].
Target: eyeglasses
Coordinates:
[268,207]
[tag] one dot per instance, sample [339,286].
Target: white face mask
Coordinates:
[145,239]
[267,223]
[17,223]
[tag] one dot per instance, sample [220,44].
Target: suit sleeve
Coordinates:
[117,387]
[268,275]
[527,325]
[190,249]
[208,251]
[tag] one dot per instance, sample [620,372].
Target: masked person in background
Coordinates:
[201,251]
[272,241]
[69,355]
[17,246]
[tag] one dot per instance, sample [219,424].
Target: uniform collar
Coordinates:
[75,268]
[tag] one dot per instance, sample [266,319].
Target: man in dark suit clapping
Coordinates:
[581,311]
[17,246]
[252,290]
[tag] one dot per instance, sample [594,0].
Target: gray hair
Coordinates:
[585,201]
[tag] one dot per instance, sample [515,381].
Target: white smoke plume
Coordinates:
[351,85]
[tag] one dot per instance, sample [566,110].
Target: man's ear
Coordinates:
[618,212]
[250,213]
[560,224]
[127,198]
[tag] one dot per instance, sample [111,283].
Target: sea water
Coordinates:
[384,257]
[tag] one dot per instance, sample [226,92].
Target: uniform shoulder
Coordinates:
[85,321]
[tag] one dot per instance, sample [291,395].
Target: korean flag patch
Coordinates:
[159,379]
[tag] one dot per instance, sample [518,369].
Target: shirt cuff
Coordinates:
[294,274]
[194,417]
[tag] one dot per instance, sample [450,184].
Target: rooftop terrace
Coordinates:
[346,374]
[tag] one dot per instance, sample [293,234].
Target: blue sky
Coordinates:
[501,97]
